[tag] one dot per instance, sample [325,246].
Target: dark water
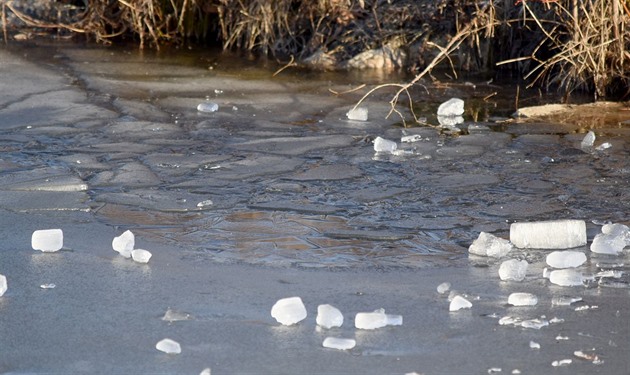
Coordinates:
[279,175]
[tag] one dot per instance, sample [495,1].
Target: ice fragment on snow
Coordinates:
[168,346]
[358,114]
[534,345]
[339,343]
[444,287]
[513,269]
[376,319]
[207,107]
[288,311]
[459,303]
[141,256]
[47,240]
[3,285]
[384,145]
[566,277]
[566,259]
[329,316]
[489,245]
[124,243]
[588,140]
[554,234]
[522,299]
[451,107]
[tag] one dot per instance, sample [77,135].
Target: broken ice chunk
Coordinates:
[554,234]
[3,285]
[376,319]
[47,286]
[489,245]
[513,269]
[562,362]
[358,114]
[169,346]
[608,244]
[207,107]
[47,240]
[459,303]
[564,300]
[141,256]
[339,343]
[534,323]
[522,299]
[384,145]
[124,243]
[451,107]
[288,311]
[444,287]
[566,277]
[329,316]
[206,371]
[617,230]
[534,345]
[588,141]
[174,316]
[566,259]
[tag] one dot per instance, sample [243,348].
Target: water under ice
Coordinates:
[289,311]
[47,240]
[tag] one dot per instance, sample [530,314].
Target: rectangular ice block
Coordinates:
[554,234]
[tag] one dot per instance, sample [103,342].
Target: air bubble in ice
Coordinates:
[47,240]
[289,311]
[459,303]
[168,346]
[141,256]
[513,269]
[566,259]
[489,245]
[124,243]
[522,299]
[329,316]
[358,114]
[339,343]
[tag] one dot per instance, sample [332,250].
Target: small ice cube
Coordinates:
[566,277]
[459,303]
[289,311]
[169,346]
[376,319]
[208,107]
[513,269]
[384,145]
[124,243]
[522,299]
[566,259]
[555,234]
[534,345]
[489,245]
[3,285]
[588,140]
[206,371]
[359,114]
[444,287]
[339,343]
[451,107]
[329,316]
[47,240]
[141,256]
[608,244]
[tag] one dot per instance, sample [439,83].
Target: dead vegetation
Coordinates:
[565,44]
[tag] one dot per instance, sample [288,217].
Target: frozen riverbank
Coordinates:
[296,204]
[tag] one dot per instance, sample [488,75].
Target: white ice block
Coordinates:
[329,316]
[489,245]
[513,269]
[339,343]
[459,303]
[566,277]
[444,287]
[554,234]
[141,256]
[289,311]
[3,285]
[47,240]
[168,346]
[124,243]
[608,244]
[451,107]
[566,259]
[376,319]
[207,107]
[522,299]
[384,145]
[358,114]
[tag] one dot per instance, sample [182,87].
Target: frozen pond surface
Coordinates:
[97,141]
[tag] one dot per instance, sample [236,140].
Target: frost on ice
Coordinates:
[168,346]
[376,319]
[566,259]
[513,269]
[339,343]
[329,316]
[124,243]
[3,285]
[522,299]
[554,234]
[47,240]
[288,311]
[489,245]
[141,255]
[459,303]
